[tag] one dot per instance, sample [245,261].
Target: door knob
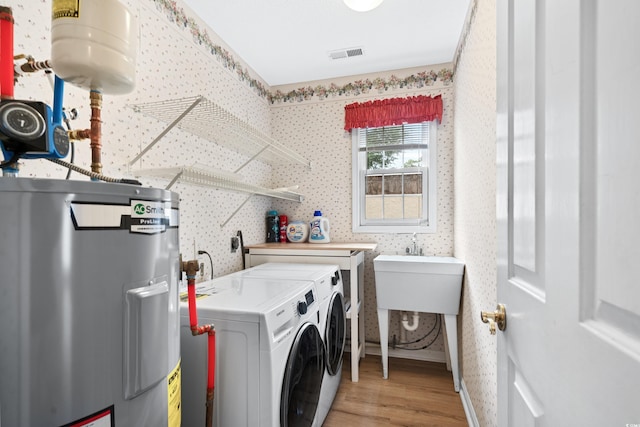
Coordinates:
[498,317]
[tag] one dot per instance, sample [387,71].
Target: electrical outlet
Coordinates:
[235,244]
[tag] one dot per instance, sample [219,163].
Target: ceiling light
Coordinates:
[362,5]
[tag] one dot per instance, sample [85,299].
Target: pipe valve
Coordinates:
[190,267]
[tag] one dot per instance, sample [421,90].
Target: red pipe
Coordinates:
[210,377]
[193,315]
[212,359]
[6,53]
[211,347]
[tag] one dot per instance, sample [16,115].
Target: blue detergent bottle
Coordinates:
[319,229]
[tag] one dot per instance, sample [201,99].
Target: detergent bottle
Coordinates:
[298,231]
[284,222]
[273,227]
[319,229]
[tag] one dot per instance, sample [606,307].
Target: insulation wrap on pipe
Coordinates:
[6,53]
[212,359]
[191,292]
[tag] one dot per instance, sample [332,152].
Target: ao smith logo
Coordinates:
[139,209]
[142,209]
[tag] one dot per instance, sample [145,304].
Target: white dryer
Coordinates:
[269,353]
[332,323]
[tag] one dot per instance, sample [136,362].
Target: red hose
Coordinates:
[6,53]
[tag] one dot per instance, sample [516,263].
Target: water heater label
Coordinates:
[175,397]
[65,9]
[139,216]
[149,217]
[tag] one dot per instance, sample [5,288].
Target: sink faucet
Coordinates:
[414,250]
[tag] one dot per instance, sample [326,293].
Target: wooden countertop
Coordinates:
[331,246]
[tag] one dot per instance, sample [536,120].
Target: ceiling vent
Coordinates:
[346,53]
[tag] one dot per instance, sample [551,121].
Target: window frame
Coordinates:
[428,222]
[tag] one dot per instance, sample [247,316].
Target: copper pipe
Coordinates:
[77,134]
[209,408]
[96,131]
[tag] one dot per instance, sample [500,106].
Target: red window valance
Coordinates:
[394,111]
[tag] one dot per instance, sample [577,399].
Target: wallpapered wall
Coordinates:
[475,205]
[316,128]
[180,57]
[170,66]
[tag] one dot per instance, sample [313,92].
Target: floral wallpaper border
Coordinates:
[379,84]
[358,87]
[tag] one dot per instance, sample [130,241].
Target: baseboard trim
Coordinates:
[472,419]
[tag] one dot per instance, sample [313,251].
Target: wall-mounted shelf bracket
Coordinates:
[236,211]
[166,130]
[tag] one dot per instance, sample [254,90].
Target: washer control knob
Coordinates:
[334,279]
[302,308]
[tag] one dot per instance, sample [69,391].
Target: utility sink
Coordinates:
[427,284]
[430,284]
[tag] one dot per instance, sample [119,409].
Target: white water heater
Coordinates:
[94,44]
[89,309]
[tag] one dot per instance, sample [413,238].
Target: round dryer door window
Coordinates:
[335,334]
[302,378]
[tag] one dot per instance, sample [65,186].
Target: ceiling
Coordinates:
[289,41]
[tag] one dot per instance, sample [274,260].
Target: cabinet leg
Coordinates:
[383,325]
[361,328]
[451,324]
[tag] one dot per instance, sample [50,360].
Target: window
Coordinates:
[394,178]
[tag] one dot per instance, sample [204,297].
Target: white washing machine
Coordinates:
[328,280]
[269,353]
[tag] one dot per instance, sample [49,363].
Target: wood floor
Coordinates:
[416,394]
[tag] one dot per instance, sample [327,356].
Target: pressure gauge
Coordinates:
[21,121]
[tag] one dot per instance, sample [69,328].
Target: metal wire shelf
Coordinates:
[206,119]
[217,179]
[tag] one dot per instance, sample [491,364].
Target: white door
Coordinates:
[569,212]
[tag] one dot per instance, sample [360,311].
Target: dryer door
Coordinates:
[335,333]
[302,378]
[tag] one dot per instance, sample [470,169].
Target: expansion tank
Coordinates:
[89,321]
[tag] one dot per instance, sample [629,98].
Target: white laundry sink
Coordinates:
[419,283]
[430,284]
